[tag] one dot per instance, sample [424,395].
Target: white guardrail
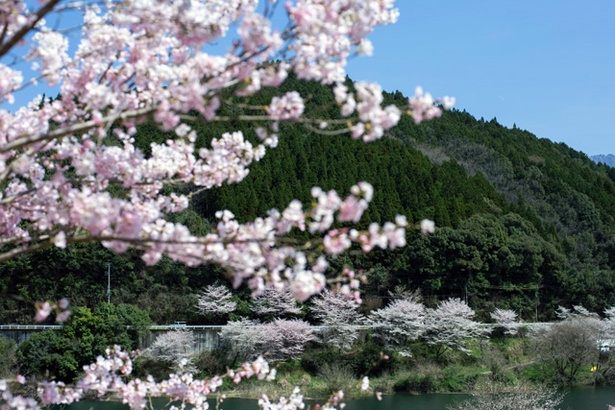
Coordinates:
[182,325]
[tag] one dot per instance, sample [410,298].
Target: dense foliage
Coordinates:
[524,223]
[62,354]
[566,200]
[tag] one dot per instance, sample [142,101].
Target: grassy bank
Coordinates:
[319,373]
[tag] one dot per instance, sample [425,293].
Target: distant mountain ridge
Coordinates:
[608,159]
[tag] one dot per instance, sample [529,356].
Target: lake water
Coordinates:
[580,398]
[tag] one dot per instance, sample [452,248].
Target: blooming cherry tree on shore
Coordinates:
[70,171]
[506,319]
[274,302]
[399,322]
[450,325]
[276,340]
[339,319]
[174,347]
[216,301]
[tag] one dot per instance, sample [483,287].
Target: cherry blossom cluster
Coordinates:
[423,107]
[275,301]
[174,347]
[289,106]
[348,283]
[148,60]
[252,253]
[215,300]
[16,402]
[373,120]
[399,322]
[277,340]
[44,309]
[293,402]
[328,32]
[108,375]
[10,80]
[427,226]
[450,325]
[71,171]
[339,317]
[506,319]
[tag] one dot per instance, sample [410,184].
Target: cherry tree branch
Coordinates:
[21,33]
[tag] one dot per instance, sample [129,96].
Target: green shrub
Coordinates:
[143,366]
[288,366]
[313,359]
[337,377]
[48,354]
[8,357]
[369,360]
[429,377]
[212,363]
[457,378]
[541,373]
[420,379]
[414,384]
[63,353]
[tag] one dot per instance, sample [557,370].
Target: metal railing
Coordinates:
[30,327]
[181,325]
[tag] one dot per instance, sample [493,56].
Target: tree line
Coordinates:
[523,223]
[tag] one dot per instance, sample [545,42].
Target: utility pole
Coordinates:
[465,292]
[108,283]
[537,303]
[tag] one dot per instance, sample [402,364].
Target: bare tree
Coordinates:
[401,292]
[216,301]
[276,302]
[450,326]
[492,358]
[506,319]
[339,317]
[569,344]
[492,395]
[398,323]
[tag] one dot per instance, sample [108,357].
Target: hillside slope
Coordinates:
[523,223]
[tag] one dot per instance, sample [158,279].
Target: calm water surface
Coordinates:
[585,398]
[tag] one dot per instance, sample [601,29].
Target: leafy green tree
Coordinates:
[48,354]
[86,335]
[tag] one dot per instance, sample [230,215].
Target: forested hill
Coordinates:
[565,196]
[523,223]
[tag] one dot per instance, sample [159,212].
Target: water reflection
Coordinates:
[580,398]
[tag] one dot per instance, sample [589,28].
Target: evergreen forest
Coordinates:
[522,223]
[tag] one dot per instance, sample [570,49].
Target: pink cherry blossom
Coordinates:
[365,384]
[427,226]
[290,106]
[43,311]
[10,80]
[153,60]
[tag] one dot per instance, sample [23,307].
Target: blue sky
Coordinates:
[547,66]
